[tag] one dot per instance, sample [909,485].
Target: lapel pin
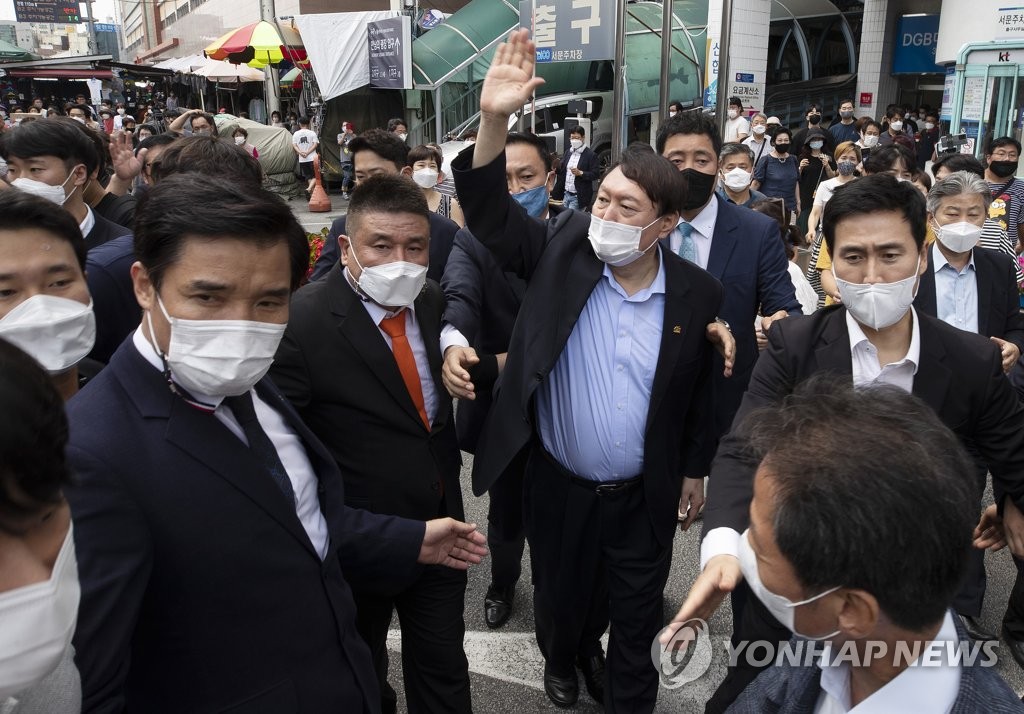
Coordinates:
[677,330]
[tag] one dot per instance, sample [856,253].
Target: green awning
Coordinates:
[13,53]
[457,42]
[459,52]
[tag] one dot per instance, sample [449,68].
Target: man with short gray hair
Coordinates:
[736,168]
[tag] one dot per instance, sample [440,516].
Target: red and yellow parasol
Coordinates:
[257,45]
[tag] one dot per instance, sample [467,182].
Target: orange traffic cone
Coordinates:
[319,201]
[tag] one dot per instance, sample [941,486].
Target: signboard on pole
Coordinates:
[749,88]
[916,40]
[570,30]
[61,13]
[390,53]
[714,50]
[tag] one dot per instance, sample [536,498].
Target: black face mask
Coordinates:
[813,119]
[782,148]
[1003,169]
[699,187]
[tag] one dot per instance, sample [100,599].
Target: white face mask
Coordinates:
[870,141]
[425,178]
[218,358]
[959,237]
[878,305]
[37,622]
[56,331]
[403,136]
[928,126]
[896,125]
[671,114]
[576,144]
[783,609]
[759,129]
[617,244]
[239,140]
[121,112]
[395,284]
[733,113]
[53,194]
[737,179]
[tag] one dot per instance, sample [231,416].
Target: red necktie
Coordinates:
[394,327]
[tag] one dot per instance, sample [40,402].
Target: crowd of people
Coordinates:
[224,469]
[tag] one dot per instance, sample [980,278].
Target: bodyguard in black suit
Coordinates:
[375,152]
[342,364]
[581,163]
[211,530]
[875,229]
[600,536]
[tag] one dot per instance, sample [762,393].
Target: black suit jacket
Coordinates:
[201,591]
[339,373]
[482,302]
[960,377]
[442,236]
[584,182]
[748,257]
[998,298]
[556,260]
[103,231]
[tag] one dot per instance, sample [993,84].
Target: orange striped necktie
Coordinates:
[394,327]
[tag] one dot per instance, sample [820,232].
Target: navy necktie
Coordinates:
[259,443]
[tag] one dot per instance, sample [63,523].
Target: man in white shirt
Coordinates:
[819,555]
[304,143]
[875,229]
[737,128]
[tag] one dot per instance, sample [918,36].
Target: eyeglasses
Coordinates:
[1004,155]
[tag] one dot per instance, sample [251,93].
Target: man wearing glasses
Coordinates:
[1007,207]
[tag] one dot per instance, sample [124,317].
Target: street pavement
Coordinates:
[505,665]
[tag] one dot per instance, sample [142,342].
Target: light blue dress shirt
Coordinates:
[592,408]
[956,293]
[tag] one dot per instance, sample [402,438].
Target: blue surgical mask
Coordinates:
[534,200]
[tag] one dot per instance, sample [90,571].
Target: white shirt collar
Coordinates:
[88,223]
[913,356]
[915,689]
[149,353]
[704,222]
[939,260]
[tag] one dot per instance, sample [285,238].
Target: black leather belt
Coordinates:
[598,487]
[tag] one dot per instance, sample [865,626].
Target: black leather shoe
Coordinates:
[593,675]
[498,606]
[1015,646]
[562,691]
[975,630]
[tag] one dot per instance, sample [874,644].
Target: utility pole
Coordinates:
[93,47]
[725,43]
[619,87]
[666,59]
[271,85]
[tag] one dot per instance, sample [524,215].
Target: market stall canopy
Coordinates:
[257,45]
[291,79]
[13,53]
[81,67]
[185,65]
[228,73]
[337,47]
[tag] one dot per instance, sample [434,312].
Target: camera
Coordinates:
[950,143]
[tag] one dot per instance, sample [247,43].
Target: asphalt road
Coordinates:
[507,670]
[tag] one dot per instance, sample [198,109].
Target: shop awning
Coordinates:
[460,40]
[57,73]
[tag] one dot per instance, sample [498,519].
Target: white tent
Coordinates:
[226,73]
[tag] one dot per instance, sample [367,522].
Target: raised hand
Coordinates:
[509,82]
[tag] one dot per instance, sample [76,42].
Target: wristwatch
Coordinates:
[723,323]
